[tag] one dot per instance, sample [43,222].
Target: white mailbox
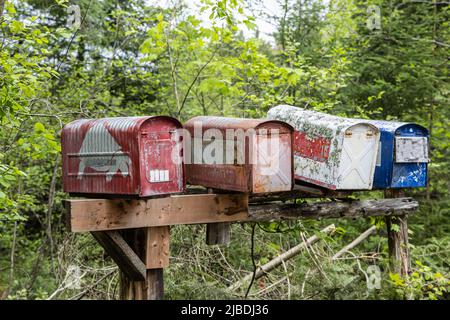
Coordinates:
[333,152]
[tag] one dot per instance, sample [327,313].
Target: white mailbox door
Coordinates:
[272,169]
[358,158]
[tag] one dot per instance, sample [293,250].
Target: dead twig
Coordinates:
[262,270]
[355,242]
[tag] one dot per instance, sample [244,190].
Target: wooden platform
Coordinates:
[136,232]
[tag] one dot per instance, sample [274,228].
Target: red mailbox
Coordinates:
[135,156]
[246,155]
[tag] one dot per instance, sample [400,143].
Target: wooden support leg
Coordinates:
[150,289]
[152,245]
[155,284]
[398,238]
[217,233]
[157,247]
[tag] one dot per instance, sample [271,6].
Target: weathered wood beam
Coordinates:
[109,214]
[333,209]
[152,286]
[218,233]
[155,284]
[103,214]
[122,254]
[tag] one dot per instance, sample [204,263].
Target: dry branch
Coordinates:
[272,264]
[355,242]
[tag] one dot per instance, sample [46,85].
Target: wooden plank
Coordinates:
[122,254]
[152,288]
[157,253]
[218,233]
[103,214]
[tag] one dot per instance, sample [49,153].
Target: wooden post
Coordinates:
[398,240]
[152,245]
[217,233]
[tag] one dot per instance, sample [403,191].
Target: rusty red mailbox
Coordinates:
[246,155]
[134,156]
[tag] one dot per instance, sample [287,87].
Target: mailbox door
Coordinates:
[160,174]
[357,163]
[409,175]
[411,157]
[272,171]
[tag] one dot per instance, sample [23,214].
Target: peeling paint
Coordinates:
[331,151]
[403,155]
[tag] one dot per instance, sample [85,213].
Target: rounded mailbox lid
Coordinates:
[224,123]
[314,122]
[118,124]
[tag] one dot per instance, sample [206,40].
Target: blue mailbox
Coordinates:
[402,159]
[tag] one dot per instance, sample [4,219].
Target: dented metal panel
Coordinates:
[246,155]
[121,156]
[331,151]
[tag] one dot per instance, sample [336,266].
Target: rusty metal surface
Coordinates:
[329,151]
[120,156]
[224,123]
[245,176]
[265,178]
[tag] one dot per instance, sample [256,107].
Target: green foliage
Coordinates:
[423,283]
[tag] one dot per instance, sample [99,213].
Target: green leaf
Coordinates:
[395,227]
[39,127]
